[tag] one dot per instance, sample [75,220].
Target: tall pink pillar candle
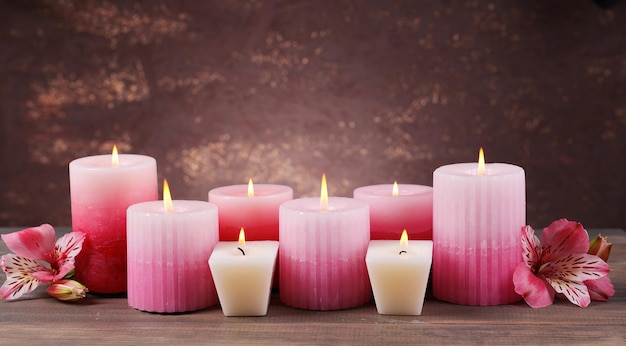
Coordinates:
[257,214]
[410,209]
[476,232]
[322,253]
[100,194]
[167,256]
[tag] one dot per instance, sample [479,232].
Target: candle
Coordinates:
[102,187]
[242,272]
[397,207]
[323,242]
[399,274]
[169,243]
[253,207]
[478,212]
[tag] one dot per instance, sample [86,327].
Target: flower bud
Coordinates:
[600,247]
[68,290]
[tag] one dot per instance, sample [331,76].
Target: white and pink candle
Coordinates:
[169,243]
[396,207]
[253,207]
[102,187]
[478,212]
[323,243]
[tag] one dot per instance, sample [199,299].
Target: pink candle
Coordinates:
[101,190]
[476,232]
[168,249]
[409,207]
[322,253]
[253,207]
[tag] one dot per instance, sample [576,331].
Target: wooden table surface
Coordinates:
[39,319]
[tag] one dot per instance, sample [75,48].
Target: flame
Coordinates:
[324,194]
[242,237]
[395,191]
[115,159]
[167,197]
[404,242]
[250,188]
[481,163]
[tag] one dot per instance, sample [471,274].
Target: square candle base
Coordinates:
[399,279]
[244,282]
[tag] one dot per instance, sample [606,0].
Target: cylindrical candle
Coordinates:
[167,256]
[257,214]
[322,253]
[410,209]
[100,194]
[476,232]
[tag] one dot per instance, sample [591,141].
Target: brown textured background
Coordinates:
[281,91]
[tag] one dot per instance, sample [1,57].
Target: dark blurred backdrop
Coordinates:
[281,91]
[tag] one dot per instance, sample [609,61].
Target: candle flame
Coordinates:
[250,188]
[242,237]
[394,191]
[404,242]
[324,194]
[115,159]
[481,163]
[167,197]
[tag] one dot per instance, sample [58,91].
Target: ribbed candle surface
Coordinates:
[168,254]
[100,194]
[476,232]
[322,253]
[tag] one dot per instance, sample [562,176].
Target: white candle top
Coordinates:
[98,162]
[385,190]
[180,207]
[260,191]
[389,250]
[469,170]
[259,250]
[335,205]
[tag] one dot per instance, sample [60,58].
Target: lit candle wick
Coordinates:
[115,159]
[242,241]
[481,170]
[167,197]
[324,194]
[395,192]
[250,188]
[404,243]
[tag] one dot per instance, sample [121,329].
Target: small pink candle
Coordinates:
[253,207]
[169,243]
[323,243]
[478,214]
[102,187]
[396,207]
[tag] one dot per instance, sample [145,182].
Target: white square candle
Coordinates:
[399,275]
[243,277]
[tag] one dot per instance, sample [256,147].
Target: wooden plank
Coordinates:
[39,319]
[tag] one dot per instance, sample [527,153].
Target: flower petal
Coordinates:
[35,243]
[563,237]
[575,267]
[531,248]
[20,279]
[536,292]
[66,249]
[575,292]
[600,289]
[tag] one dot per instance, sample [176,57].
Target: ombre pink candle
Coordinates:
[168,248]
[102,187]
[253,207]
[396,207]
[478,212]
[322,248]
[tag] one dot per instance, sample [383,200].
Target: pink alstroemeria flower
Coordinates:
[561,265]
[37,259]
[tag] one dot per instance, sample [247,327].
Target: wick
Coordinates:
[401,252]
[240,249]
